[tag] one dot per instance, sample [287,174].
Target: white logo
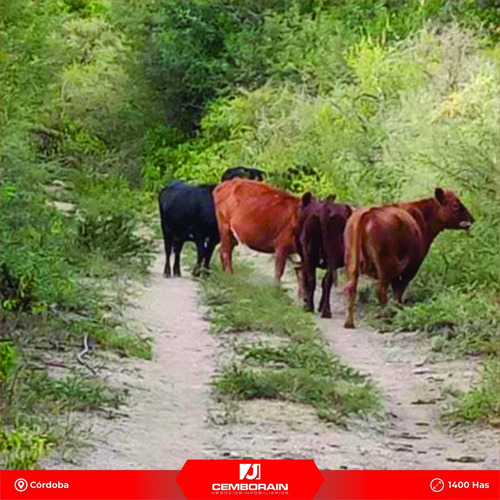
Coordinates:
[244,474]
[20,484]
[437,485]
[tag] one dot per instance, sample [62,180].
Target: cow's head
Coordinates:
[256,174]
[451,211]
[306,199]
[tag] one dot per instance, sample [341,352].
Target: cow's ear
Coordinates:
[306,199]
[440,197]
[331,198]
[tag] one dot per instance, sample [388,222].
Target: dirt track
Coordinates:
[172,416]
[169,397]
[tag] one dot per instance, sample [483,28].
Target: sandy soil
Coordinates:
[411,386]
[169,398]
[172,416]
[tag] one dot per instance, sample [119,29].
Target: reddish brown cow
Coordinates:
[320,243]
[390,242]
[259,215]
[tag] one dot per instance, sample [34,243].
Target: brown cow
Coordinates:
[320,243]
[390,242]
[258,215]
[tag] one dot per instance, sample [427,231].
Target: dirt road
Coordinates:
[411,386]
[168,397]
[172,417]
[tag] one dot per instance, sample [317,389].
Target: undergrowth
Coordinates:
[481,403]
[301,371]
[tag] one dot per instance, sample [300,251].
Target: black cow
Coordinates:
[188,214]
[245,172]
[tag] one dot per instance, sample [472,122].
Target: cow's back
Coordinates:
[386,237]
[256,213]
[188,209]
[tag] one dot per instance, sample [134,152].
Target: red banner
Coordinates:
[212,479]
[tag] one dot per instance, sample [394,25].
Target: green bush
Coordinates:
[481,403]
[21,448]
[8,360]
[74,108]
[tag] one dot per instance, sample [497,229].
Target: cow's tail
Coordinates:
[353,253]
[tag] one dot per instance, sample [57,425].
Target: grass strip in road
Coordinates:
[302,370]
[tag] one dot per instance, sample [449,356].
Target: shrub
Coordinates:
[8,360]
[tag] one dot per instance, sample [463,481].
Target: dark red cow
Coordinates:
[320,243]
[390,242]
[258,215]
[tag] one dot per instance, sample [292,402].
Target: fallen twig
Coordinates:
[111,413]
[57,364]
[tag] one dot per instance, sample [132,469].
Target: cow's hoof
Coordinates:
[177,275]
[326,314]
[349,324]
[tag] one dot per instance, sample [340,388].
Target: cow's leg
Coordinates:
[178,244]
[398,289]
[382,285]
[167,240]
[200,253]
[326,286]
[325,293]
[227,243]
[322,299]
[300,276]
[310,281]
[351,290]
[209,250]
[400,284]
[298,267]
[279,264]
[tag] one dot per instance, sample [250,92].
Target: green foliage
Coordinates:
[114,337]
[8,360]
[108,218]
[481,403]
[75,393]
[460,322]
[198,51]
[233,304]
[21,448]
[333,399]
[74,113]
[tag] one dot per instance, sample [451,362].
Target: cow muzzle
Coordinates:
[465,224]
